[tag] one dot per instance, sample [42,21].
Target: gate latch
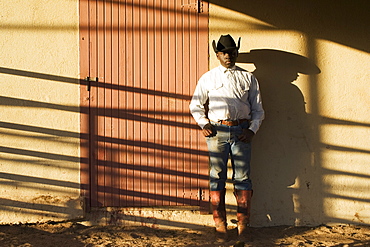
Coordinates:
[89,80]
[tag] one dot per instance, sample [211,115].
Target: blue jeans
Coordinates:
[220,146]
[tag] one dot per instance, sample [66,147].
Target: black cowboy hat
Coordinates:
[225,43]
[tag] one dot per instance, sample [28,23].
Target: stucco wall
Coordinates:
[39,125]
[311,156]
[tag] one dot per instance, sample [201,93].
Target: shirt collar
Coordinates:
[224,70]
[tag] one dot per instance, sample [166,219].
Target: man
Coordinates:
[233,117]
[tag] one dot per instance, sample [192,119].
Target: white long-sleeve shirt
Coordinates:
[233,94]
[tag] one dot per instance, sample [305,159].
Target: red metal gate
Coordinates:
[141,60]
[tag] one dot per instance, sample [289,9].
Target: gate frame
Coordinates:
[85,83]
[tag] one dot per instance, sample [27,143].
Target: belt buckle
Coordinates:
[229,122]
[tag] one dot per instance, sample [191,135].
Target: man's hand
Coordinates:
[208,130]
[247,136]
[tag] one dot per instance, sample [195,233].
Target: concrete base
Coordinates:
[154,217]
[160,217]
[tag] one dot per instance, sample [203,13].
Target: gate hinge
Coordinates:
[197,6]
[89,80]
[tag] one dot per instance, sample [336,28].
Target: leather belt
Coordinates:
[232,122]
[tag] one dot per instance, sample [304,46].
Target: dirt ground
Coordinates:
[73,234]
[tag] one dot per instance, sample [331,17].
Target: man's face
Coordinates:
[227,58]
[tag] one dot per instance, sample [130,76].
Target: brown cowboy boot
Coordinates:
[243,199]
[219,212]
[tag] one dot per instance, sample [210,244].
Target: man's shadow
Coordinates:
[281,147]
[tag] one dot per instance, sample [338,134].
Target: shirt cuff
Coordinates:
[203,122]
[254,126]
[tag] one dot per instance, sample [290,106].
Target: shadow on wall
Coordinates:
[284,133]
[345,22]
[284,169]
[122,175]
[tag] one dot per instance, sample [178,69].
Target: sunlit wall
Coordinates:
[311,156]
[39,125]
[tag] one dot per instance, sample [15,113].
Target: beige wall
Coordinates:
[39,125]
[311,157]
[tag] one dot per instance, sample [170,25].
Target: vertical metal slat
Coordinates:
[145,148]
